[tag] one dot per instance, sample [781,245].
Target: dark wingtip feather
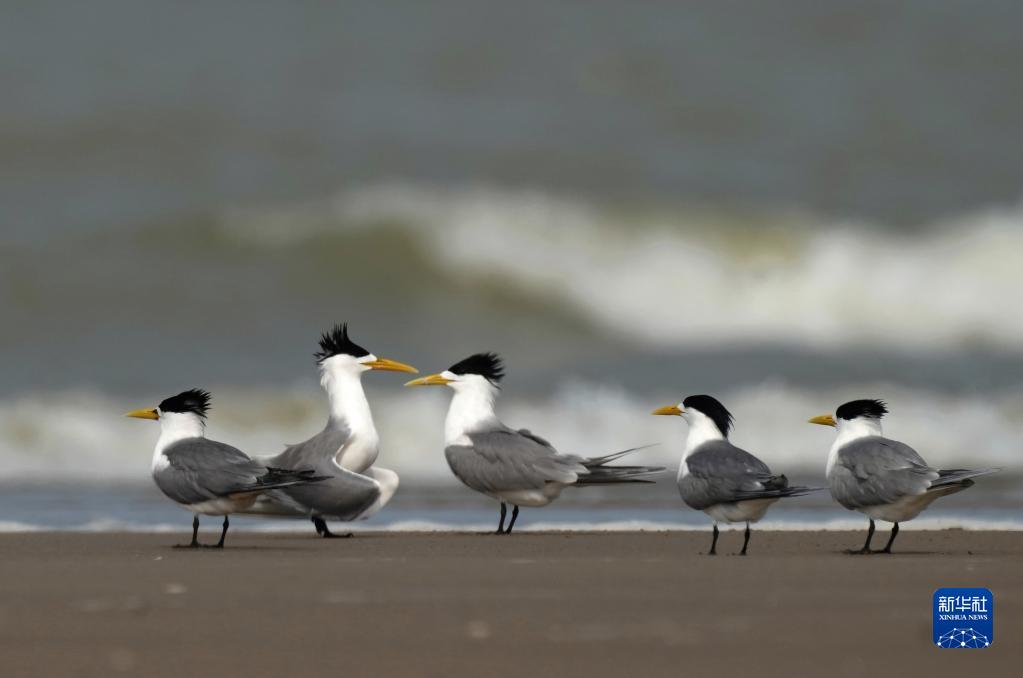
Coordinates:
[607,475]
[599,473]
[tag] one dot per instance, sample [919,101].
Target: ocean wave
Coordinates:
[81,435]
[670,277]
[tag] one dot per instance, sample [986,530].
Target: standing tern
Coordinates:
[205,476]
[514,467]
[727,483]
[345,450]
[880,477]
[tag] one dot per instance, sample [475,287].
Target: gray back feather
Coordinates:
[202,469]
[873,470]
[503,459]
[719,473]
[344,494]
[312,453]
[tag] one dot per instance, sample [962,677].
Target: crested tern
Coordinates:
[346,450]
[514,467]
[880,477]
[727,483]
[205,476]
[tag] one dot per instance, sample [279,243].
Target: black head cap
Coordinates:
[194,400]
[713,408]
[336,342]
[862,408]
[487,365]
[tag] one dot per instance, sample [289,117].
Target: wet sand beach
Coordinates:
[595,604]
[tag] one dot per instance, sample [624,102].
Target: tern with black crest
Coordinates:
[514,467]
[346,450]
[727,483]
[205,476]
[882,478]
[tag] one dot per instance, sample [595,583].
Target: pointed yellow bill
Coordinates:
[390,366]
[144,414]
[823,420]
[671,410]
[431,380]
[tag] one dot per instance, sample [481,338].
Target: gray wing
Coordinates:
[532,436]
[202,469]
[872,471]
[323,446]
[720,473]
[504,460]
[344,494]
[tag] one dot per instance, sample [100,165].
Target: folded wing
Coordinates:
[504,460]
[874,471]
[199,469]
[721,473]
[342,494]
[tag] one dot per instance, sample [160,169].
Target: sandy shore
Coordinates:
[593,604]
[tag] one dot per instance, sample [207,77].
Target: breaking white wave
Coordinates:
[671,277]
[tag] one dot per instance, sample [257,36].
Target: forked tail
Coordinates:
[599,473]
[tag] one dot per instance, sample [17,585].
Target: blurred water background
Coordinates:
[787,204]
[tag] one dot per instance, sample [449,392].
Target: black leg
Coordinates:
[745,541]
[500,525]
[195,536]
[223,533]
[714,542]
[324,531]
[891,540]
[515,514]
[866,545]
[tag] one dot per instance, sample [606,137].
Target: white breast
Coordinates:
[160,462]
[349,409]
[360,452]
